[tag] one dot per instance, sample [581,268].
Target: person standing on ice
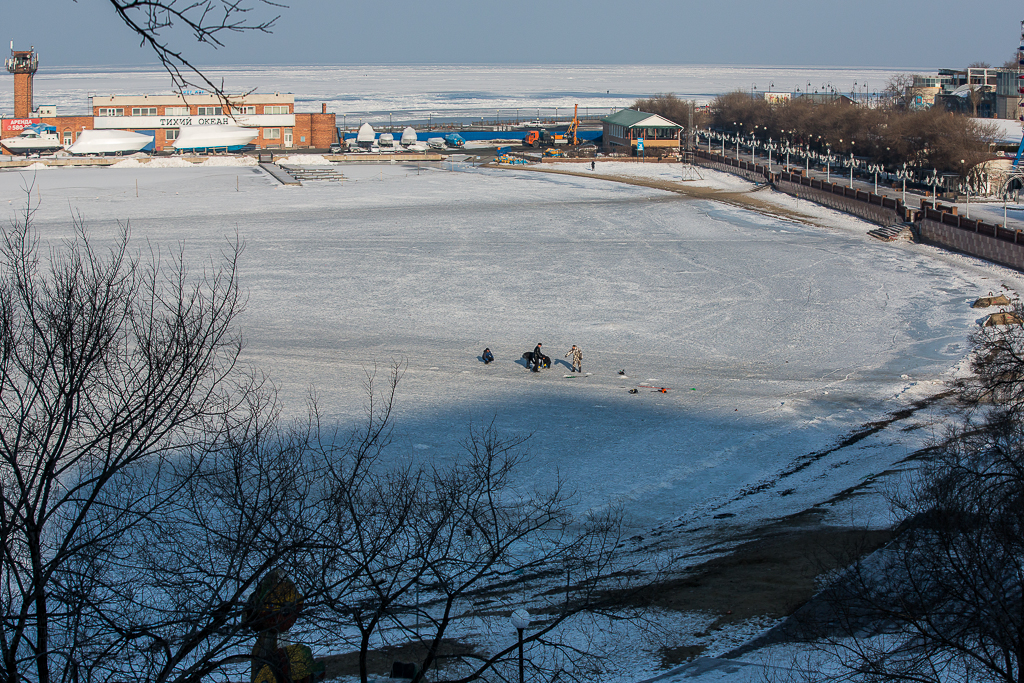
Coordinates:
[538,356]
[577,358]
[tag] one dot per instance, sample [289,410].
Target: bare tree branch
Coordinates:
[206,20]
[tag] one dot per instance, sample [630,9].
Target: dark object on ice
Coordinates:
[622,372]
[487,356]
[634,391]
[403,670]
[541,359]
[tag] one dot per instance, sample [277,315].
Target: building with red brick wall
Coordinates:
[163,116]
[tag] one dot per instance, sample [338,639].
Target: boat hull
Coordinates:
[109,142]
[230,138]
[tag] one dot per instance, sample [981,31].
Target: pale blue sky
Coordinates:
[890,33]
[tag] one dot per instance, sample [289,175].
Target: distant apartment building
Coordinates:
[992,90]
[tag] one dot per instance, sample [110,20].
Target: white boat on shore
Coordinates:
[35,138]
[229,138]
[366,137]
[109,142]
[409,137]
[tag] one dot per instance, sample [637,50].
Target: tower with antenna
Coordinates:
[23,64]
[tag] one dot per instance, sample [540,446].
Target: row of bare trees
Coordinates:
[923,139]
[148,483]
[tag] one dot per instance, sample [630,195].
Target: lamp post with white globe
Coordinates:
[520,620]
[903,173]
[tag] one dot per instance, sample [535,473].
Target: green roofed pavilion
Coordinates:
[624,128]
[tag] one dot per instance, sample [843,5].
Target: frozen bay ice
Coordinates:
[775,338]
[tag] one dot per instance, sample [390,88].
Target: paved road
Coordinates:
[991,211]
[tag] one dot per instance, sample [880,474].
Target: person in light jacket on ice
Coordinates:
[577,358]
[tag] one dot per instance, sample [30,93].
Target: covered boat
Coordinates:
[110,142]
[35,138]
[229,138]
[366,136]
[409,137]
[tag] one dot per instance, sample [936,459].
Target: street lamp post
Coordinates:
[828,163]
[967,186]
[875,168]
[520,620]
[771,147]
[853,162]
[903,174]
[934,181]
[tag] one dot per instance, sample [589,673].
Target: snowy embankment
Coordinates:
[776,339]
[234,161]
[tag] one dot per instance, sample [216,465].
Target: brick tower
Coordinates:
[23,64]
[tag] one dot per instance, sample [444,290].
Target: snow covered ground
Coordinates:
[660,171]
[775,338]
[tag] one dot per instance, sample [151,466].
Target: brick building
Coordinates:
[163,116]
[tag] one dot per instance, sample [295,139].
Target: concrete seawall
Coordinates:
[991,242]
[874,211]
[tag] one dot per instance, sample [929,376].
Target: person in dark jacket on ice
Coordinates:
[487,356]
[539,358]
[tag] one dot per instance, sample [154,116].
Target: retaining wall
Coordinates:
[991,242]
[869,206]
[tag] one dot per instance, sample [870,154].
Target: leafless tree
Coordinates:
[945,600]
[148,484]
[976,93]
[900,91]
[109,366]
[206,20]
[996,382]
[426,546]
